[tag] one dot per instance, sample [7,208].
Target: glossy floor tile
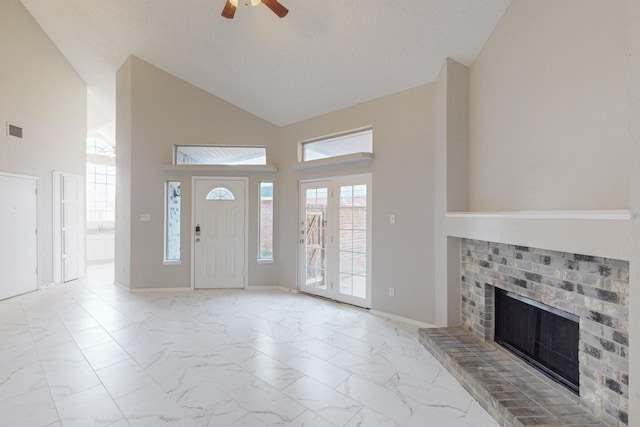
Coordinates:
[90,354]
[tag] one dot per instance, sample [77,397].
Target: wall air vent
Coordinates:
[13,130]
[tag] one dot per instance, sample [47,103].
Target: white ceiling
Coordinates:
[325,55]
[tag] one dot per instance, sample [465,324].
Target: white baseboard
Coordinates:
[126,288]
[270,288]
[161,290]
[183,289]
[402,319]
[121,286]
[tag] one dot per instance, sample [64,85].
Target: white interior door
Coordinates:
[335,239]
[219,235]
[19,241]
[72,202]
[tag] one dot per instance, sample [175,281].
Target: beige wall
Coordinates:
[40,92]
[549,109]
[403,145]
[122,255]
[633,41]
[555,125]
[160,111]
[451,185]
[157,110]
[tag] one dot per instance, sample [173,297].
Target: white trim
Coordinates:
[219,168]
[338,134]
[273,217]
[165,223]
[271,288]
[337,160]
[181,289]
[401,319]
[15,175]
[615,215]
[121,286]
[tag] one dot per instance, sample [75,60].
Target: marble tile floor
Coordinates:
[90,354]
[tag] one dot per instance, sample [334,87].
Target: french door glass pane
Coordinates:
[353,240]
[315,237]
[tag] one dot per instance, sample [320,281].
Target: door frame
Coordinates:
[192,235]
[332,180]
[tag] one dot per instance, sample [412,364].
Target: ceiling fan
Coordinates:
[231,6]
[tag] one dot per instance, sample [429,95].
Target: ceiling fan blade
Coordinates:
[276,7]
[229,10]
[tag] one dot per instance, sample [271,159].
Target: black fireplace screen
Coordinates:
[545,337]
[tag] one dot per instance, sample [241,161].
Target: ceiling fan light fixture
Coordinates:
[234,2]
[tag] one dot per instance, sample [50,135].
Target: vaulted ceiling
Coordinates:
[325,55]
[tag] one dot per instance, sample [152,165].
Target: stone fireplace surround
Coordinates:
[595,289]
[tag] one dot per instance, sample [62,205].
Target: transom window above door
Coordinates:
[352,142]
[220,155]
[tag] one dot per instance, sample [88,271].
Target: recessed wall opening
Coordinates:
[545,337]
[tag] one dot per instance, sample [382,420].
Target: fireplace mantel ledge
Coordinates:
[607,215]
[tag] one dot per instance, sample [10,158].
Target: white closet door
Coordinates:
[18,235]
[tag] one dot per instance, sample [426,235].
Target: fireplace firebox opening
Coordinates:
[545,337]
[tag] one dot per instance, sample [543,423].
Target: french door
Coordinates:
[335,239]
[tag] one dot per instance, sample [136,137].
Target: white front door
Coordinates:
[219,235]
[335,239]
[19,241]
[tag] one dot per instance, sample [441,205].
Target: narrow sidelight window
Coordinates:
[265,251]
[172,221]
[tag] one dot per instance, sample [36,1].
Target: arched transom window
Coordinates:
[220,193]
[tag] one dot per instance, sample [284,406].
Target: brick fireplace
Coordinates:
[592,288]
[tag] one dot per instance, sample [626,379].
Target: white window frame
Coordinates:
[166,261]
[178,146]
[262,260]
[302,146]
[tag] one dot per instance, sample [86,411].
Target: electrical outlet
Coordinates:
[392,219]
[392,292]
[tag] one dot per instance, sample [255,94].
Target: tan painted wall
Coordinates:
[165,111]
[403,141]
[122,255]
[555,125]
[452,184]
[40,92]
[550,107]
[633,41]
[160,111]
